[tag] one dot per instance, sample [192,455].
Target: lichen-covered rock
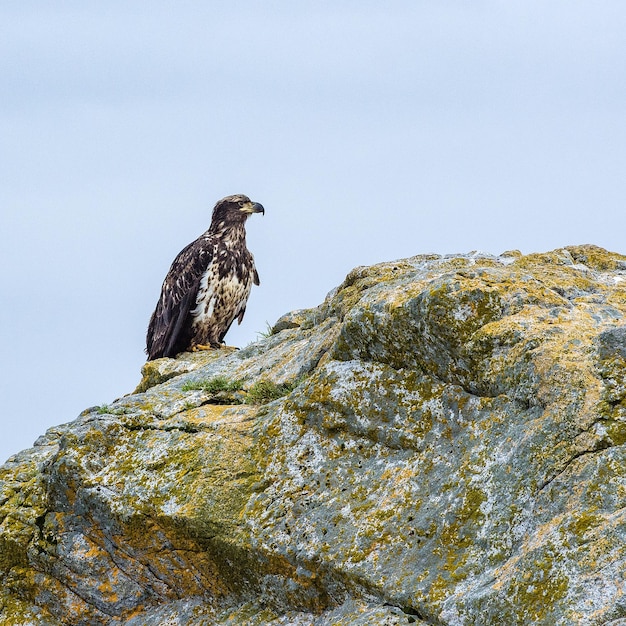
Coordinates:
[450,451]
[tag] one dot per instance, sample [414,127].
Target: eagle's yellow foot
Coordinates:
[201,346]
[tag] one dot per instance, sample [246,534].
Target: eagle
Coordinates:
[207,286]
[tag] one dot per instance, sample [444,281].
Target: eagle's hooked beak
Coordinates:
[253,207]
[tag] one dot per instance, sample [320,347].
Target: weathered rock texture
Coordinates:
[453,454]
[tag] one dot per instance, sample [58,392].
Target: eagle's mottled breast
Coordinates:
[223,292]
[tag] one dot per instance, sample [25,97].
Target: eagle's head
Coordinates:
[233,210]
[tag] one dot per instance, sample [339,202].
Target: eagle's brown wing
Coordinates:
[170,324]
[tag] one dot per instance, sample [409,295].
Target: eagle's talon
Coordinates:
[201,346]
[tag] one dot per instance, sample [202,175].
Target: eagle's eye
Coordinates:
[241,203]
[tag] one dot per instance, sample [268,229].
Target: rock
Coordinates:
[449,451]
[158,371]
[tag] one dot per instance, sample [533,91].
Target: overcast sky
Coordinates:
[370,131]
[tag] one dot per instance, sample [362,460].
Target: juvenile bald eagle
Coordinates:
[207,286]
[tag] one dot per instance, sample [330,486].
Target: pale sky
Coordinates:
[370,131]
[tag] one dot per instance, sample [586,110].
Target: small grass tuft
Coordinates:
[214,385]
[107,409]
[224,391]
[264,391]
[264,334]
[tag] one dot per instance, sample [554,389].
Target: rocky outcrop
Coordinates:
[440,442]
